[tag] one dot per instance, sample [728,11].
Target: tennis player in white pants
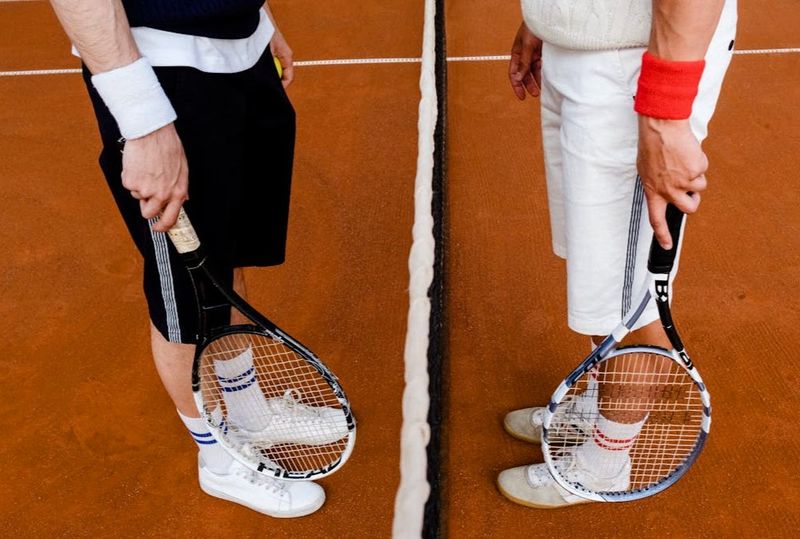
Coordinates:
[627,89]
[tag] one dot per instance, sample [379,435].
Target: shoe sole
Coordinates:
[299,513]
[526,503]
[519,436]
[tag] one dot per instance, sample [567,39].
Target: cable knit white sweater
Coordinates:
[590,24]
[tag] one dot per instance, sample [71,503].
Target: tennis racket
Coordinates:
[267,399]
[631,384]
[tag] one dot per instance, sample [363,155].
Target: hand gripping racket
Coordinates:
[266,398]
[631,384]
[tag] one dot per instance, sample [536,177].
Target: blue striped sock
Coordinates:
[246,404]
[214,456]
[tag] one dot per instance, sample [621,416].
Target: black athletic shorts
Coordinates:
[238,132]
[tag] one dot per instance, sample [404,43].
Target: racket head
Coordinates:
[628,384]
[272,404]
[267,399]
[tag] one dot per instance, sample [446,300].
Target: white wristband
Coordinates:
[135,98]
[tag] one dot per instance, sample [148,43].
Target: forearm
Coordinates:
[682,29]
[100,31]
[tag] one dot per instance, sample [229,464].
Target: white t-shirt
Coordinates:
[211,55]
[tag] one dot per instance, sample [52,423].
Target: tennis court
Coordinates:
[93,447]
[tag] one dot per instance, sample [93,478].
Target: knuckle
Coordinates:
[700,168]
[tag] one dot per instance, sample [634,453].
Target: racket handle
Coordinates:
[183,236]
[661,260]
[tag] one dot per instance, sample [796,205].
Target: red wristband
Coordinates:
[667,89]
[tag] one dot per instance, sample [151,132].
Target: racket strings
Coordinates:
[630,388]
[271,405]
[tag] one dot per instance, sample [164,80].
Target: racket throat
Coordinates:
[662,296]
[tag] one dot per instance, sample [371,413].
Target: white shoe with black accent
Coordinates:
[534,486]
[279,499]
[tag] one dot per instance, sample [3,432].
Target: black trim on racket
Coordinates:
[290,417]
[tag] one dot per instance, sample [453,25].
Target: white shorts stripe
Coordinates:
[167,287]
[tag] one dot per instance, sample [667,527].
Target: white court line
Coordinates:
[768,51]
[494,58]
[369,61]
[351,61]
[38,71]
[504,57]
[302,63]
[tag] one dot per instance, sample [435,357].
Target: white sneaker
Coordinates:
[279,499]
[577,421]
[534,486]
[287,421]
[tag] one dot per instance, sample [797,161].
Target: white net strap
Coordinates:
[414,488]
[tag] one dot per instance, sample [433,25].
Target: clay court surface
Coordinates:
[91,444]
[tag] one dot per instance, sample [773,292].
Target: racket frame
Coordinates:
[656,286]
[201,276]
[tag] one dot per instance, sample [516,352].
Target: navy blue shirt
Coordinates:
[226,19]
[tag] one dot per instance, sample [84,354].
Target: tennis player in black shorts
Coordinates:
[192,112]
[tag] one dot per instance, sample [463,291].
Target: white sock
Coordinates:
[606,453]
[214,456]
[240,390]
[588,408]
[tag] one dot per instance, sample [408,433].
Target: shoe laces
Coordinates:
[571,412]
[573,415]
[261,480]
[537,417]
[539,475]
[296,411]
[569,466]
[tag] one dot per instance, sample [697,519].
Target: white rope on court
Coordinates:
[302,63]
[506,57]
[414,489]
[372,61]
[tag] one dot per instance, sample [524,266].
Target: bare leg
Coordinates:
[643,385]
[652,333]
[241,289]
[174,365]
[174,361]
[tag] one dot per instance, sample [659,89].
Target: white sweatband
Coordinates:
[135,99]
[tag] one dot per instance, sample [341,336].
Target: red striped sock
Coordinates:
[606,453]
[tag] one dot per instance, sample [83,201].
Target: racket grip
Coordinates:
[183,236]
[661,260]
